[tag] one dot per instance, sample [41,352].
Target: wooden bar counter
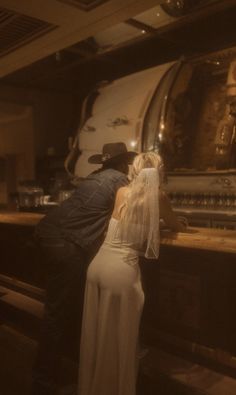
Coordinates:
[196,238]
[190,291]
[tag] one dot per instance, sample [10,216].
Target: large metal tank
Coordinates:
[174,109]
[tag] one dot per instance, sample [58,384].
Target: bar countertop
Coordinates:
[194,238]
[20,218]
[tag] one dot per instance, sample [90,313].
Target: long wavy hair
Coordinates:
[141,205]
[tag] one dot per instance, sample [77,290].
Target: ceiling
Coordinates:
[70,44]
[37,30]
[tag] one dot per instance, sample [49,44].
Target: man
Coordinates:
[69,237]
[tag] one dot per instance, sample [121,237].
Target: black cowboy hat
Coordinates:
[112,151]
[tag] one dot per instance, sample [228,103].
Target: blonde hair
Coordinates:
[141,206]
[146,160]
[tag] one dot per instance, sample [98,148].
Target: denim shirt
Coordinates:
[84,217]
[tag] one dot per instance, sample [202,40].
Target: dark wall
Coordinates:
[55,116]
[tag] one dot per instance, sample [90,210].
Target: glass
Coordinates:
[30,195]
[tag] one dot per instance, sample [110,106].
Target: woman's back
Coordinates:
[112,310]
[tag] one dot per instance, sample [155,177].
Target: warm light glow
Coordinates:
[162,126]
[158,13]
[143,31]
[133,143]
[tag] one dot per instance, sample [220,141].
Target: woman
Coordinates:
[114,297]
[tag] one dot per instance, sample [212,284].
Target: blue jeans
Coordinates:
[66,266]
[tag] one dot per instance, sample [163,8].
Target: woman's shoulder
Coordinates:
[120,199]
[122,190]
[120,194]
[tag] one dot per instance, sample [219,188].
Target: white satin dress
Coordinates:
[113,305]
